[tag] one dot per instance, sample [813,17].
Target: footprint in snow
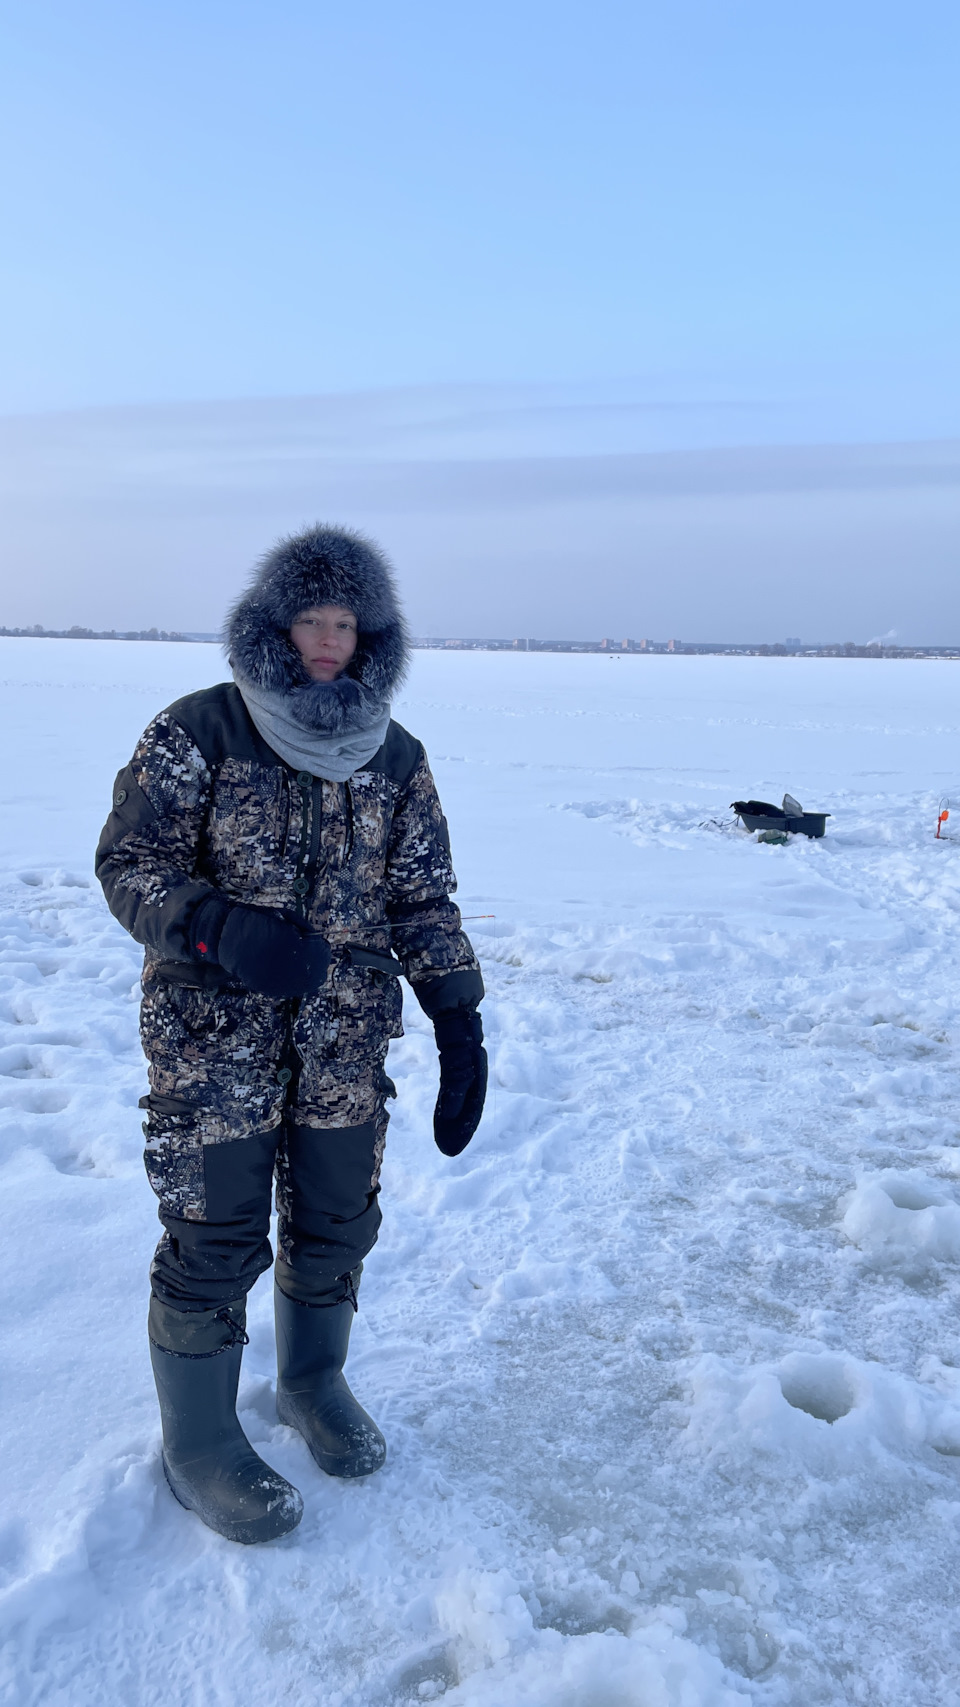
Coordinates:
[33,1098]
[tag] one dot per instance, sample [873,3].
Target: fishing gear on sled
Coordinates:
[788,819]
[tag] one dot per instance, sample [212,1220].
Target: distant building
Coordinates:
[793,645]
[673,645]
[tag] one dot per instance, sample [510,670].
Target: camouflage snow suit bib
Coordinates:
[205,803]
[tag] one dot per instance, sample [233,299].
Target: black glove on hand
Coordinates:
[463,1078]
[270,955]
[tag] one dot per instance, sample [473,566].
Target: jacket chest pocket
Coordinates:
[248,826]
[369,809]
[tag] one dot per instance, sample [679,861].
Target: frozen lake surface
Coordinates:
[669,1359]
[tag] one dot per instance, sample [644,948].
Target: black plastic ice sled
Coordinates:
[789,819]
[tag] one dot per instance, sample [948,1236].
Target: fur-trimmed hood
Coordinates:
[322,566]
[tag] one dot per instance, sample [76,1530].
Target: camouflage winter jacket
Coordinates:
[204,806]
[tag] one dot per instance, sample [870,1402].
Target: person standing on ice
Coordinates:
[277,846]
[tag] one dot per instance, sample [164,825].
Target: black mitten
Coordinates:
[463,1078]
[270,955]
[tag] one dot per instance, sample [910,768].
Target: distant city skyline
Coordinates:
[608,646]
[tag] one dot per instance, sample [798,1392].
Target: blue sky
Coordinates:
[613,229]
[216,200]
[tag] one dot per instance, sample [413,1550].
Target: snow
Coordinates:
[904,1220]
[669,1359]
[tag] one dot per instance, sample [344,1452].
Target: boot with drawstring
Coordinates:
[312,1392]
[207,1459]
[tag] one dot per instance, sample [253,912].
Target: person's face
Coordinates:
[326,638]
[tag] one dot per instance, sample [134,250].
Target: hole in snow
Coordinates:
[428,1678]
[819,1385]
[82,1162]
[35,1099]
[19,1064]
[907,1193]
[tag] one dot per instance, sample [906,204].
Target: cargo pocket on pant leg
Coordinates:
[173,1157]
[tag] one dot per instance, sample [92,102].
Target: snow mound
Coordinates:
[903,1220]
[823,1413]
[506,1658]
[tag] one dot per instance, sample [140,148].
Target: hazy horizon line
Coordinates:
[582,646]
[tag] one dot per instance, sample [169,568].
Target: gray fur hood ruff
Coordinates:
[328,728]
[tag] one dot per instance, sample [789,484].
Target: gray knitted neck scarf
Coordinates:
[333,755]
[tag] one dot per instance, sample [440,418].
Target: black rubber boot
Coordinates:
[312,1393]
[207,1459]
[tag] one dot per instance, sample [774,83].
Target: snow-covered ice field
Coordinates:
[669,1359]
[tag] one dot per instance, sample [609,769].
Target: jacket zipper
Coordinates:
[311,824]
[316,825]
[349,814]
[311,821]
[301,883]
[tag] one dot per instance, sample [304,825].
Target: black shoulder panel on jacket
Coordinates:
[217,720]
[399,756]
